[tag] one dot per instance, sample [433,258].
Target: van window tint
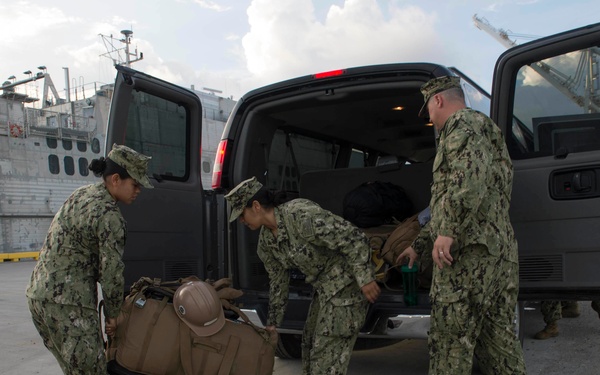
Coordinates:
[293,154]
[159,127]
[556,107]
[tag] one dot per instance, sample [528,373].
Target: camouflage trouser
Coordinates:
[473,313]
[551,310]
[72,335]
[331,330]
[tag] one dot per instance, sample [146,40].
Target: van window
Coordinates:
[294,154]
[476,99]
[556,107]
[164,135]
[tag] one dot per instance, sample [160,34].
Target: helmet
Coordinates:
[199,307]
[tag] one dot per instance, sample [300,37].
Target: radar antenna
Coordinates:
[120,56]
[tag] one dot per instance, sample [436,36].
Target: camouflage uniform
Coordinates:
[334,256]
[83,247]
[552,311]
[473,300]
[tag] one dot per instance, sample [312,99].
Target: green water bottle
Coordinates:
[409,283]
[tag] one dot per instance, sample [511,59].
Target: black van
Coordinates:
[322,135]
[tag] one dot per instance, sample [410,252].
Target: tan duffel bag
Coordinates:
[179,328]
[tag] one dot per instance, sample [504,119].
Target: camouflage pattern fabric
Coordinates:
[71,334]
[473,305]
[135,164]
[239,197]
[83,247]
[551,311]
[335,257]
[330,332]
[470,199]
[435,86]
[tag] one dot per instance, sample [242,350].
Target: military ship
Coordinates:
[47,143]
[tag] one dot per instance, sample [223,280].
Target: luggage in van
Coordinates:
[376,203]
[179,328]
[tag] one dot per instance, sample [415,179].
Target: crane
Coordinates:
[585,74]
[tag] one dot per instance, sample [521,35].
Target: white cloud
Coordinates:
[286,39]
[211,5]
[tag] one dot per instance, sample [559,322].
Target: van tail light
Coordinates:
[218,167]
[331,73]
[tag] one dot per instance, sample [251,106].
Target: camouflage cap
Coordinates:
[239,196]
[435,86]
[135,164]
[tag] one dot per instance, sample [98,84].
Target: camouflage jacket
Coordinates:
[84,245]
[472,182]
[330,251]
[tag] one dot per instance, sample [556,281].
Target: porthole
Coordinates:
[83,167]
[51,142]
[53,164]
[69,166]
[206,167]
[95,146]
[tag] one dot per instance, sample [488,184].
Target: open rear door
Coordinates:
[166,225]
[546,99]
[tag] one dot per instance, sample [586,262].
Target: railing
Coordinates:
[52,124]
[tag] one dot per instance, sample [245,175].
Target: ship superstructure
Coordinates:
[46,146]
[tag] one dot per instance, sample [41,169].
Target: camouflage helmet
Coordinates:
[239,196]
[199,307]
[435,86]
[135,164]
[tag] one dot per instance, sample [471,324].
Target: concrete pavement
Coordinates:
[574,351]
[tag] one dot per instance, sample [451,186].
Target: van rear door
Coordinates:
[166,235]
[546,98]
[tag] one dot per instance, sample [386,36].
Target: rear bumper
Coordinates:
[396,328]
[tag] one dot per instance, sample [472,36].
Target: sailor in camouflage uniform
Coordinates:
[83,247]
[331,252]
[476,281]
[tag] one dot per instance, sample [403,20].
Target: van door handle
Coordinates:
[581,182]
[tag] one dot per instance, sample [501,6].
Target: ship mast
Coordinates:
[114,53]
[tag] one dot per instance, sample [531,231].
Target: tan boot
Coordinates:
[570,309]
[551,330]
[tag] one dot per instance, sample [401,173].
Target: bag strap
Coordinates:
[229,356]
[149,333]
[185,348]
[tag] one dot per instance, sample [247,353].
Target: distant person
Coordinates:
[84,246]
[476,282]
[332,253]
[553,311]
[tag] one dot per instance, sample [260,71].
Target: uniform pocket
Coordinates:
[452,311]
[343,317]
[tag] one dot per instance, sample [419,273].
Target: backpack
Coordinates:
[401,238]
[151,339]
[372,204]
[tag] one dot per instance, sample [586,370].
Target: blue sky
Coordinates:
[237,45]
